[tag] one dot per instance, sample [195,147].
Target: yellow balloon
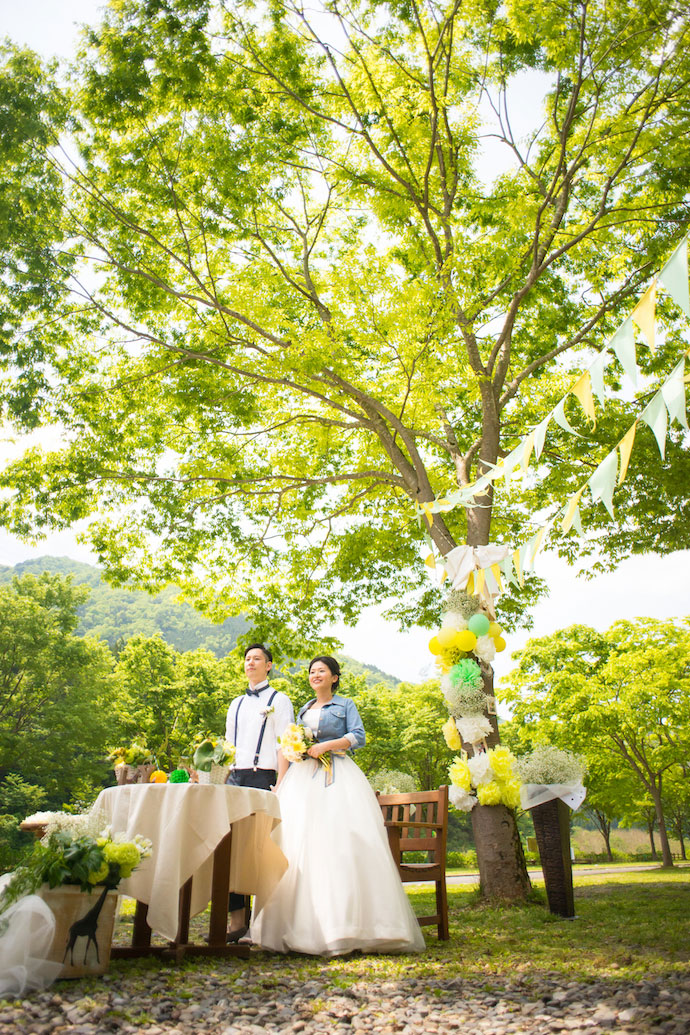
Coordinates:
[495,629]
[465,640]
[434,646]
[499,643]
[446,637]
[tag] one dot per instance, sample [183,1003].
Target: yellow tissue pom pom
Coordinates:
[511,793]
[459,774]
[158,776]
[502,759]
[450,732]
[489,794]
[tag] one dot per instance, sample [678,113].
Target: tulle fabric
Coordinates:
[26,935]
[341,891]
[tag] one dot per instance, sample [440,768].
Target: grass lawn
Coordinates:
[628,926]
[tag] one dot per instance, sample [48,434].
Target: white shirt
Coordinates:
[250,719]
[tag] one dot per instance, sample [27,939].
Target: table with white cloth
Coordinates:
[207,840]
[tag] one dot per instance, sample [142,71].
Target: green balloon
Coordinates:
[479,625]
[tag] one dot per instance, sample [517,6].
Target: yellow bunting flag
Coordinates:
[517,562]
[496,572]
[529,446]
[430,561]
[644,314]
[582,390]
[570,513]
[625,446]
[470,584]
[481,579]
[428,512]
[536,542]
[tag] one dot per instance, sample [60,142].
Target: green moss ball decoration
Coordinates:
[179,776]
[466,675]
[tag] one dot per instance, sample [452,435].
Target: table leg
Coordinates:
[218,924]
[185,902]
[141,933]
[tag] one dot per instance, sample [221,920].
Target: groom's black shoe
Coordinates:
[235,936]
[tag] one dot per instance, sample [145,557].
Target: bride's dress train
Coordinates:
[341,890]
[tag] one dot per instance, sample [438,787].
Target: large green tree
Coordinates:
[619,697]
[57,709]
[285,301]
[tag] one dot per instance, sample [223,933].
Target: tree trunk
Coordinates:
[606,833]
[502,868]
[650,831]
[666,856]
[501,860]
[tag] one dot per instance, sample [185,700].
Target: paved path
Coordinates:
[578,871]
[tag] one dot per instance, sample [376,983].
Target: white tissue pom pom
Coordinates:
[473,729]
[485,648]
[480,769]
[453,620]
[460,799]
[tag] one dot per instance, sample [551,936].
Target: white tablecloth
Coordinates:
[185,822]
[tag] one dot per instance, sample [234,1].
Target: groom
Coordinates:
[255,721]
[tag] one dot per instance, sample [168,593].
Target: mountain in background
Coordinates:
[116,615]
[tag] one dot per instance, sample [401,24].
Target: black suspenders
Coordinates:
[262,731]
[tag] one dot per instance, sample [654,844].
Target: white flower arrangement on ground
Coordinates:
[487,778]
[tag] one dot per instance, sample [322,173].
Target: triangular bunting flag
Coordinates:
[540,436]
[582,390]
[644,314]
[496,572]
[596,373]
[526,556]
[506,566]
[673,391]
[527,452]
[571,509]
[623,344]
[561,419]
[625,446]
[577,524]
[517,561]
[480,580]
[654,414]
[535,543]
[603,481]
[674,277]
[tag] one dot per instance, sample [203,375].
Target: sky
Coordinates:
[647,586]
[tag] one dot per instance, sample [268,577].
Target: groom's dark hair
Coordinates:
[259,646]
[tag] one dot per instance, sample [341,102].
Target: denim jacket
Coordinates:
[338,717]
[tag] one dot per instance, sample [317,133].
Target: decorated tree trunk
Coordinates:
[500,857]
[502,869]
[482,777]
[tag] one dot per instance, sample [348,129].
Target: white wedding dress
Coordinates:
[341,890]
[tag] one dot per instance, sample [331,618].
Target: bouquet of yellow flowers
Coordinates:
[295,741]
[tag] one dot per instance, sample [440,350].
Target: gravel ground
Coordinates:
[266,997]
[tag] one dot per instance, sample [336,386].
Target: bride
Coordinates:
[341,890]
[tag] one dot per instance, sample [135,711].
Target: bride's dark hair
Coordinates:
[330,663]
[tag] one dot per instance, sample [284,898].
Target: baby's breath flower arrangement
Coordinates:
[75,850]
[551,765]
[392,781]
